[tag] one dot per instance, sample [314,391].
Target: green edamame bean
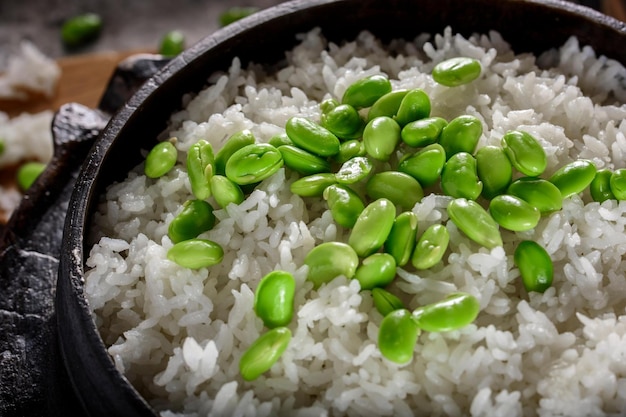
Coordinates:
[313,185]
[329,260]
[343,121]
[425,165]
[401,189]
[328,104]
[430,247]
[385,302]
[364,92]
[253,163]
[473,220]
[459,177]
[233,14]
[423,132]
[196,253]
[273,298]
[350,149]
[344,203]
[196,217]
[494,170]
[397,336]
[513,213]
[380,137]
[461,134]
[455,311]
[535,266]
[401,240]
[600,187]
[525,152]
[302,161]
[387,105]
[414,106]
[235,142]
[2,146]
[311,136]
[376,270]
[200,168]
[280,140]
[264,352]
[354,170]
[81,29]
[617,182]
[225,191]
[372,227]
[537,192]
[456,71]
[172,43]
[574,177]
[28,173]
[161,159]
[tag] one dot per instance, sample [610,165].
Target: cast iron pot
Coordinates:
[529,25]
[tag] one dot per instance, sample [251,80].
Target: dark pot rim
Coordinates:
[262,38]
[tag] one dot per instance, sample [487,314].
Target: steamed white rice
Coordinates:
[178,334]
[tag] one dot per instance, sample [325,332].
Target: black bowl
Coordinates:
[528,25]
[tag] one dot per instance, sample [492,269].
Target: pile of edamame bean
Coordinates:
[370,157]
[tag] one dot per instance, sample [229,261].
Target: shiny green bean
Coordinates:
[196,217]
[525,152]
[235,142]
[376,270]
[456,71]
[27,174]
[200,168]
[430,247]
[385,302]
[225,191]
[312,136]
[328,104]
[423,132]
[329,260]
[600,187]
[387,105]
[80,30]
[264,352]
[535,266]
[401,189]
[253,163]
[459,177]
[473,220]
[313,185]
[397,336]
[344,203]
[372,227]
[425,165]
[303,162]
[161,159]
[381,136]
[172,43]
[401,240]
[461,134]
[196,253]
[454,312]
[232,14]
[513,213]
[354,170]
[280,140]
[364,92]
[574,177]
[494,170]
[344,121]
[537,192]
[274,298]
[414,106]
[617,183]
[350,149]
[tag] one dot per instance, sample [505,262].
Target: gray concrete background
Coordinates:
[127,24]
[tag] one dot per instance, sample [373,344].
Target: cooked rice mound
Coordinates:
[178,334]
